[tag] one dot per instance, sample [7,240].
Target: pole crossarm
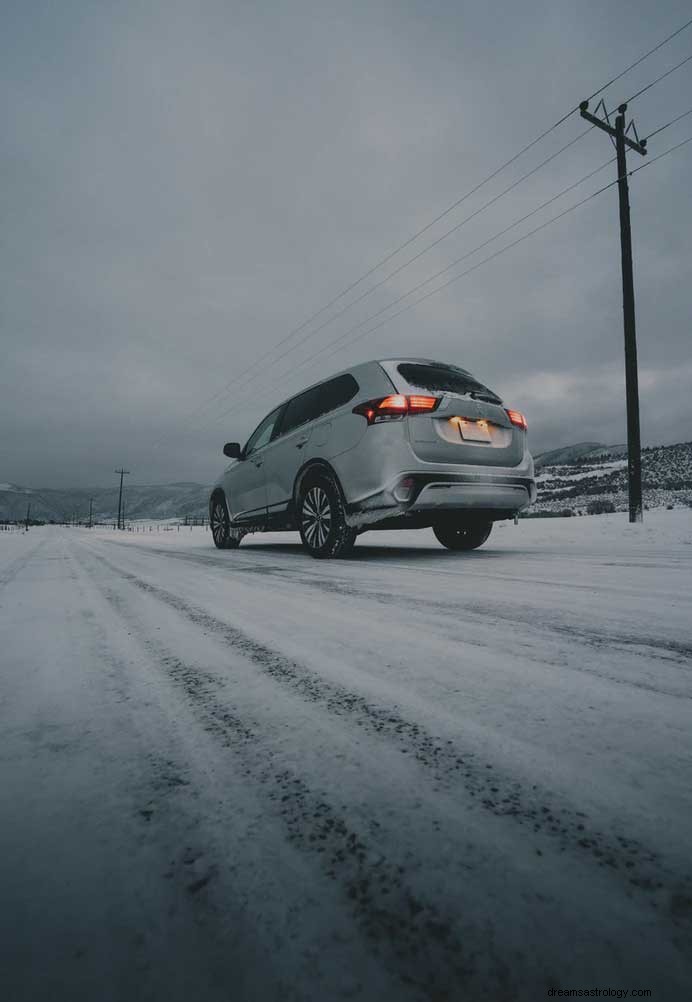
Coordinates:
[639,146]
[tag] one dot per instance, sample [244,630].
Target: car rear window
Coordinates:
[444,378]
[319,400]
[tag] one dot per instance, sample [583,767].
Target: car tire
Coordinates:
[322,519]
[462,537]
[220,525]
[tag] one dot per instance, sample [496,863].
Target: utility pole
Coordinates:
[622,141]
[121,521]
[91,513]
[28,510]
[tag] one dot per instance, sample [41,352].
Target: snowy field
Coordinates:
[406,775]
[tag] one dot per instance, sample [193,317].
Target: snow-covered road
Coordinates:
[406,775]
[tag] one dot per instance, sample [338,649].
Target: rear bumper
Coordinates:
[483,495]
[473,495]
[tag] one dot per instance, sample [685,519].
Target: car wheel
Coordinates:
[459,537]
[221,527]
[322,519]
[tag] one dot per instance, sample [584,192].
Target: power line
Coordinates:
[344,334]
[660,156]
[468,218]
[383,281]
[448,233]
[668,124]
[525,236]
[425,250]
[474,267]
[487,204]
[498,253]
[443,214]
[357,326]
[657,80]
[388,257]
[640,60]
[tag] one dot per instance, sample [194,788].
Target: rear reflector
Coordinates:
[404,489]
[517,418]
[395,406]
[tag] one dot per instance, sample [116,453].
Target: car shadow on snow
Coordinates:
[370,551]
[367,551]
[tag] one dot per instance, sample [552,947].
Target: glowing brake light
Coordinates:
[395,406]
[517,418]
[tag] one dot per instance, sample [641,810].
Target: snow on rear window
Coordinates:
[443,378]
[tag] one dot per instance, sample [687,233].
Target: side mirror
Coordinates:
[232,450]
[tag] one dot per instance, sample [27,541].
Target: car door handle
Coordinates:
[302,441]
[258,462]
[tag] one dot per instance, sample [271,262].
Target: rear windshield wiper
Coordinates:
[489,398]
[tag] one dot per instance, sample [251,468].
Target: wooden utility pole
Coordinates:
[622,141]
[28,512]
[121,521]
[91,513]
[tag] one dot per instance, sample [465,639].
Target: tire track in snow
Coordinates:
[664,650]
[627,859]
[154,792]
[14,567]
[427,951]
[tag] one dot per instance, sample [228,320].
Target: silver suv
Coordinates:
[401,443]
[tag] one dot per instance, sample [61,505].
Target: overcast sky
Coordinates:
[183,184]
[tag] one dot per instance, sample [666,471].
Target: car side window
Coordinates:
[319,400]
[305,407]
[337,392]
[262,433]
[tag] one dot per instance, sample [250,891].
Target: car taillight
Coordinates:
[395,406]
[418,405]
[517,418]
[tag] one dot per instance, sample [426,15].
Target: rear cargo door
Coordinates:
[470,425]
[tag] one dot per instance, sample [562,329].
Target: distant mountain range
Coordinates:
[156,502]
[568,478]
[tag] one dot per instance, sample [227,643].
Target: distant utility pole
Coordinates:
[121,520]
[622,141]
[91,513]
[28,511]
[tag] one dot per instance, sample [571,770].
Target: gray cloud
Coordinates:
[184,184]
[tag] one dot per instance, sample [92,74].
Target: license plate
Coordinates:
[472,431]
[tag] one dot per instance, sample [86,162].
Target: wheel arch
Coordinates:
[313,466]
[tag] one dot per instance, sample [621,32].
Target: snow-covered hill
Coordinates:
[588,474]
